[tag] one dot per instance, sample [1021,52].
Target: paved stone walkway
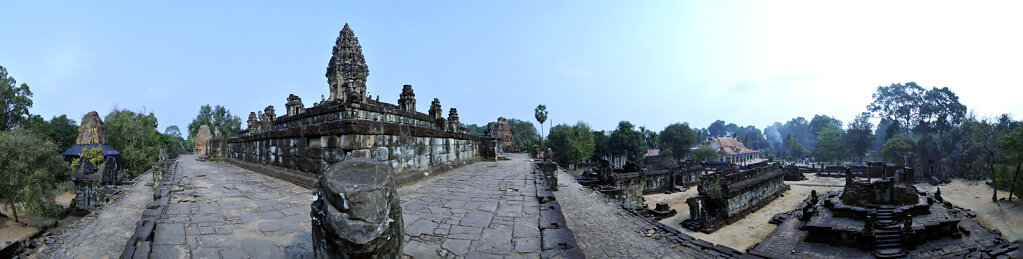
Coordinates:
[482,210]
[222,211]
[602,228]
[103,233]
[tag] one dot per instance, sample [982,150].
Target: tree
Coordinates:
[172,130]
[942,109]
[896,148]
[95,156]
[829,143]
[61,130]
[1012,144]
[14,101]
[541,116]
[899,102]
[794,148]
[860,137]
[717,129]
[820,121]
[27,172]
[214,117]
[705,153]
[571,144]
[601,145]
[134,134]
[627,141]
[676,139]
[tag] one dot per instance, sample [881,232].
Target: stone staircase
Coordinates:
[888,234]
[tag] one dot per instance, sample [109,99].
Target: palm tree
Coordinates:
[541,116]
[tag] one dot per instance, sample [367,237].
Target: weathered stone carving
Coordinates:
[453,123]
[201,138]
[294,105]
[407,99]
[253,123]
[91,130]
[347,70]
[357,212]
[435,110]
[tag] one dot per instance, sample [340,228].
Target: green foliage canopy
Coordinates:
[676,139]
[571,144]
[134,134]
[626,140]
[214,117]
[29,170]
[14,101]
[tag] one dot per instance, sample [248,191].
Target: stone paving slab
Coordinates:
[103,233]
[482,210]
[225,211]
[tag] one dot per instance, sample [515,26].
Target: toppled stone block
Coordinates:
[357,212]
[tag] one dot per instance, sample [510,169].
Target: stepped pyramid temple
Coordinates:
[305,141]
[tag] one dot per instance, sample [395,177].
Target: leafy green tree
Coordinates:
[859,137]
[820,121]
[795,149]
[626,140]
[522,131]
[1012,144]
[896,148]
[134,134]
[475,129]
[571,144]
[61,130]
[14,101]
[27,172]
[717,129]
[829,143]
[705,153]
[899,102]
[601,145]
[215,117]
[541,116]
[172,130]
[95,156]
[676,139]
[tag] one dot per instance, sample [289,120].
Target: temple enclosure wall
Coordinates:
[310,144]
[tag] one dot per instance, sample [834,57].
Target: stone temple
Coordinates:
[305,141]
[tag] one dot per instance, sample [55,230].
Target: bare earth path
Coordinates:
[103,233]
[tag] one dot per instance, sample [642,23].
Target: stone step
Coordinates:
[886,232]
[883,236]
[889,240]
[889,245]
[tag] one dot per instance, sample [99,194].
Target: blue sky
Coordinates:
[649,62]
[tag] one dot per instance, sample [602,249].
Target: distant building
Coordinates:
[652,152]
[733,151]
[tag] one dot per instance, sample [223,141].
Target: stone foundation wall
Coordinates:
[313,148]
[748,200]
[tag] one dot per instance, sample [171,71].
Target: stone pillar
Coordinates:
[357,212]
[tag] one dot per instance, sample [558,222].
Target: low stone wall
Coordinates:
[311,149]
[140,244]
[556,239]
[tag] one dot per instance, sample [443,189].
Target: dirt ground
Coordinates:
[975,195]
[11,231]
[754,227]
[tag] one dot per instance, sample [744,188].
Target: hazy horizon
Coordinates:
[651,63]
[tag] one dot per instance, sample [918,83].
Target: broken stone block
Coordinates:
[357,212]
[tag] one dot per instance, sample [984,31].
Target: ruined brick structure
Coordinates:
[886,218]
[502,131]
[628,185]
[728,194]
[305,141]
[202,137]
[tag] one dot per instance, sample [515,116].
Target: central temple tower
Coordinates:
[347,70]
